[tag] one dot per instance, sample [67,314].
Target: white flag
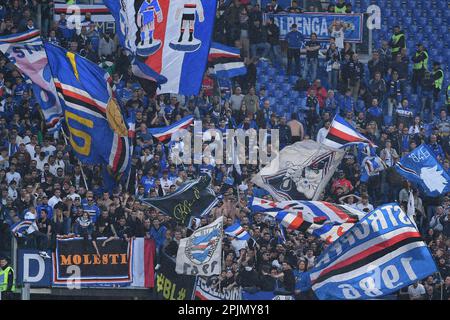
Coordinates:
[300,172]
[201,253]
[411,210]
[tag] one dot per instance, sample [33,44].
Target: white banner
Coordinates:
[206,291]
[201,253]
[300,172]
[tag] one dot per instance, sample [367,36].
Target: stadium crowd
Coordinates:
[41,179]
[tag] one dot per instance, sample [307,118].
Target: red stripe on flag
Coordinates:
[345,136]
[341,214]
[118,153]
[149,268]
[296,223]
[378,247]
[154,61]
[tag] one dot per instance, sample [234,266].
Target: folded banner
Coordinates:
[26,51]
[193,198]
[207,289]
[98,133]
[264,295]
[300,172]
[423,169]
[113,266]
[319,23]
[342,134]
[226,61]
[322,219]
[170,285]
[163,134]
[381,254]
[172,36]
[201,253]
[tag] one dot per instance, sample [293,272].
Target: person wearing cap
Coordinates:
[438,78]
[7,285]
[420,60]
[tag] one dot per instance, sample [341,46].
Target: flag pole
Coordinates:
[79,162]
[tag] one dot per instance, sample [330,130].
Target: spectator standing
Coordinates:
[312,58]
[295,40]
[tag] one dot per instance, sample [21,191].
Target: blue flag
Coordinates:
[381,254]
[237,231]
[98,133]
[423,169]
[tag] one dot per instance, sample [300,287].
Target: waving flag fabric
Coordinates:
[98,133]
[341,134]
[300,172]
[237,231]
[322,219]
[24,228]
[226,61]
[423,169]
[201,253]
[381,254]
[26,51]
[172,36]
[164,134]
[193,198]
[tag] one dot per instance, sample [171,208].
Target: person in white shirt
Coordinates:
[236,99]
[55,199]
[13,175]
[323,132]
[30,146]
[337,31]
[12,190]
[4,159]
[72,193]
[364,204]
[48,148]
[416,291]
[166,182]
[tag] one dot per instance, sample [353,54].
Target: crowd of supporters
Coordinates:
[41,179]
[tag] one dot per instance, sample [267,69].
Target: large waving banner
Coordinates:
[76,263]
[171,36]
[300,172]
[308,23]
[172,286]
[381,254]
[201,253]
[26,51]
[422,168]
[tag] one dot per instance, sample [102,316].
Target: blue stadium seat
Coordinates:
[443,29]
[286,87]
[279,79]
[407,21]
[278,94]
[428,29]
[434,53]
[271,87]
[422,21]
[263,64]
[264,79]
[271,72]
[285,100]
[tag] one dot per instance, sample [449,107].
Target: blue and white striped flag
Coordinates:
[237,231]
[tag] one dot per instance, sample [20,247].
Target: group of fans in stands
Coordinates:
[41,179]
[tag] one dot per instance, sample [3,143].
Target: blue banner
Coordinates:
[423,169]
[308,23]
[264,295]
[381,254]
[33,269]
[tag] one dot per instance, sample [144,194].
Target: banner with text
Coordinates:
[319,23]
[170,285]
[207,289]
[76,262]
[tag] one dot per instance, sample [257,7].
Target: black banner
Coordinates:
[170,285]
[76,262]
[192,198]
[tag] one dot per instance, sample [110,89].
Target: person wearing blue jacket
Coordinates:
[375,113]
[158,233]
[294,39]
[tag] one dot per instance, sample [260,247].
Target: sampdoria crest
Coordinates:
[202,244]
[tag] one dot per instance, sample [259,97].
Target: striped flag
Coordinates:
[226,61]
[24,228]
[143,255]
[322,219]
[381,254]
[164,134]
[26,51]
[342,134]
[237,231]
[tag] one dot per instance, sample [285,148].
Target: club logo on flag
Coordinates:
[202,244]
